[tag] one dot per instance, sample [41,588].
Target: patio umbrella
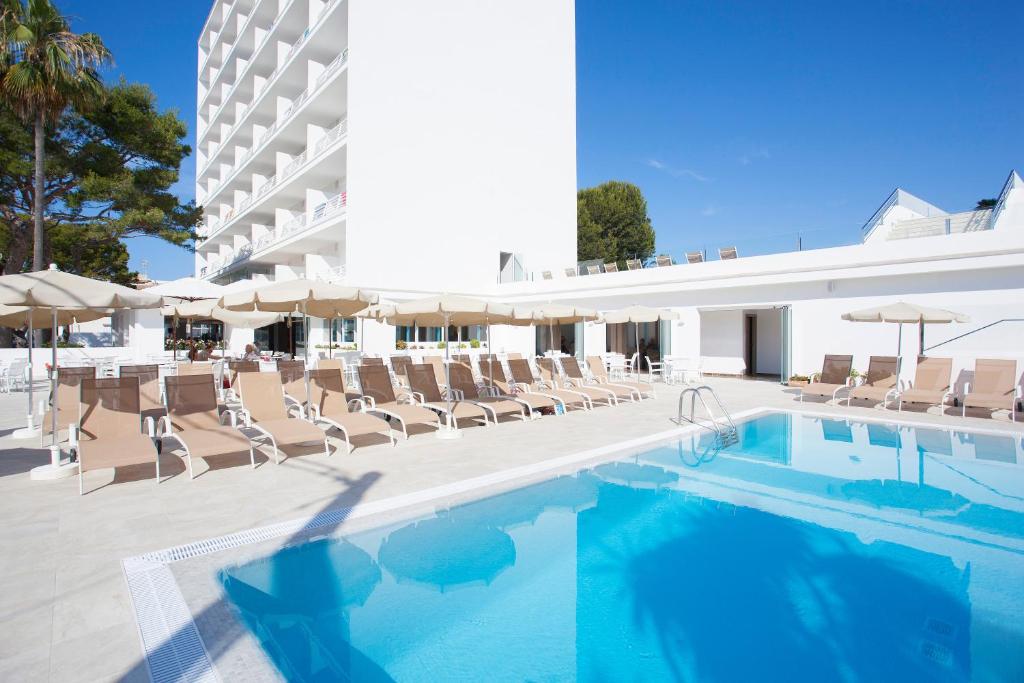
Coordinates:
[35,318]
[637,315]
[60,293]
[903,312]
[309,297]
[182,290]
[447,553]
[555,314]
[445,310]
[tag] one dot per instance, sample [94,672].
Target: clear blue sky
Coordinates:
[743,123]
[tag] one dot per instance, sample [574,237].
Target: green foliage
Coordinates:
[441,345]
[986,204]
[108,178]
[474,343]
[612,223]
[401,345]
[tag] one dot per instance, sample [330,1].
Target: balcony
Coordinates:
[279,122]
[327,142]
[332,208]
[271,78]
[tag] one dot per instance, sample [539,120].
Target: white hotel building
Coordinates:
[412,148]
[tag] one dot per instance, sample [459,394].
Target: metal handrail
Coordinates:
[696,393]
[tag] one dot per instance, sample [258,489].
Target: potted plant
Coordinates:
[474,343]
[401,345]
[799,381]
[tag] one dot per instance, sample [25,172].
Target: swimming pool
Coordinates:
[813,549]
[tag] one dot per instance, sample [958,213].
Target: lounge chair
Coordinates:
[880,384]
[66,402]
[425,390]
[835,376]
[695,257]
[634,264]
[663,261]
[437,363]
[498,388]
[599,372]
[522,376]
[465,389]
[239,367]
[400,365]
[264,410]
[571,272]
[293,380]
[194,369]
[545,274]
[593,269]
[380,395]
[931,383]
[574,373]
[150,402]
[550,374]
[994,387]
[330,364]
[727,253]
[109,432]
[371,360]
[611,267]
[193,421]
[330,405]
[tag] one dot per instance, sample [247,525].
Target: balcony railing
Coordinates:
[335,64]
[331,208]
[256,51]
[332,136]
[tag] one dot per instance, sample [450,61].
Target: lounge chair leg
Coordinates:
[80,484]
[252,456]
[327,447]
[157,468]
[391,435]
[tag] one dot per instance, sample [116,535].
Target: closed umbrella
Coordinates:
[35,318]
[637,315]
[445,310]
[60,293]
[903,312]
[309,297]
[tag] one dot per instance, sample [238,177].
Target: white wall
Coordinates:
[768,359]
[462,140]
[721,341]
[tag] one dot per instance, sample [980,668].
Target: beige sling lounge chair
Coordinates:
[380,394]
[550,374]
[293,379]
[193,421]
[574,372]
[152,406]
[465,389]
[598,370]
[264,410]
[400,366]
[110,427]
[880,384]
[69,392]
[329,404]
[931,382]
[499,388]
[994,387]
[194,369]
[428,394]
[835,376]
[524,380]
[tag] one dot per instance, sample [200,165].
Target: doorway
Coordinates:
[564,339]
[750,344]
[622,338]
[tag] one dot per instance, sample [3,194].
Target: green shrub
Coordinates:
[401,345]
[474,343]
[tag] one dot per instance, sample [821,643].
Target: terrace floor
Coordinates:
[65,613]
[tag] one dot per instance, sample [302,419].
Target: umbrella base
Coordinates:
[448,432]
[51,472]
[29,432]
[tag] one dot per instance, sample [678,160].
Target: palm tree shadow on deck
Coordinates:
[759,597]
[224,623]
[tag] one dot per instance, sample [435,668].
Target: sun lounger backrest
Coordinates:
[195,369]
[110,407]
[240,367]
[462,380]
[328,364]
[836,369]
[376,383]
[882,371]
[262,395]
[521,372]
[515,356]
[571,366]
[400,364]
[69,382]
[149,384]
[933,374]
[293,378]
[421,380]
[371,361]
[547,368]
[597,368]
[327,391]
[994,376]
[192,402]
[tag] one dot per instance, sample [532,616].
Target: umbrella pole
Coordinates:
[31,405]
[636,330]
[920,338]
[899,342]
[54,449]
[447,432]
[174,340]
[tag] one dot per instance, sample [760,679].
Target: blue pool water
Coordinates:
[814,549]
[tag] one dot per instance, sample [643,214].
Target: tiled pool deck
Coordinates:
[65,613]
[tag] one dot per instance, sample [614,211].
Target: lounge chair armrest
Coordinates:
[360,405]
[370,401]
[314,412]
[166,428]
[299,408]
[967,388]
[246,417]
[150,426]
[73,435]
[457,394]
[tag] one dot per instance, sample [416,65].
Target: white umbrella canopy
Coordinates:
[55,289]
[311,297]
[209,310]
[20,316]
[639,314]
[187,289]
[553,314]
[902,312]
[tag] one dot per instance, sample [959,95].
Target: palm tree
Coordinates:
[44,69]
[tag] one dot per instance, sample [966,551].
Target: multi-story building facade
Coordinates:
[392,145]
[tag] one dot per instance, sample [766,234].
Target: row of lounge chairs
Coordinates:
[994,385]
[125,420]
[661,261]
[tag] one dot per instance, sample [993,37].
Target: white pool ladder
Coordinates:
[724,429]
